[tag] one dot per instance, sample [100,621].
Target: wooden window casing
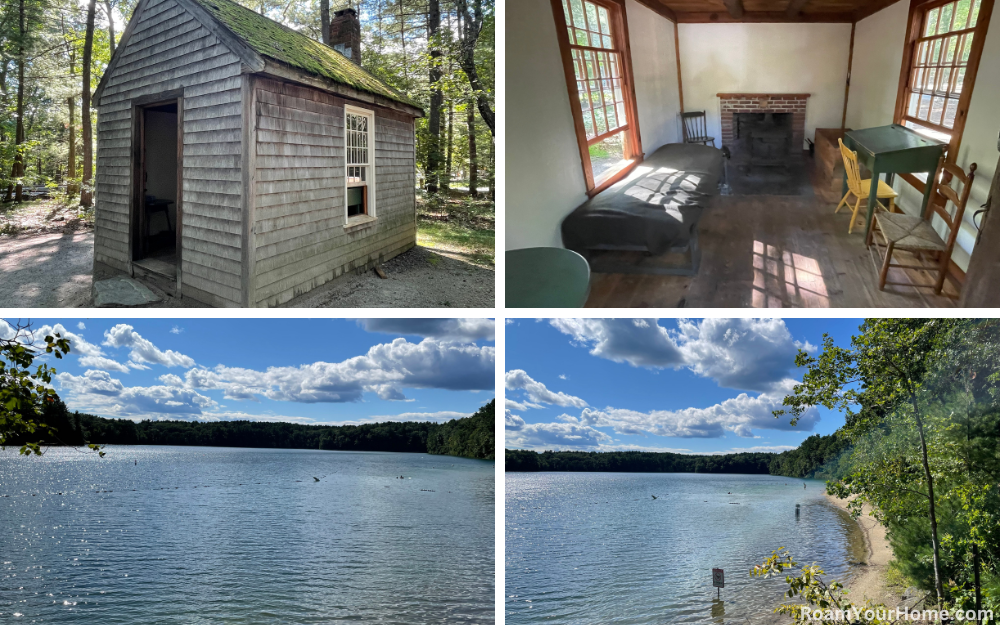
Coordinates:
[592,72]
[938,79]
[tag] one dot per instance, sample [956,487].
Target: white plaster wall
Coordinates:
[543,170]
[878,55]
[544,178]
[654,64]
[873,100]
[766,58]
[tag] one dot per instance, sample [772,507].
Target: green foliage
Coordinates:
[636,462]
[817,457]
[471,437]
[27,399]
[824,603]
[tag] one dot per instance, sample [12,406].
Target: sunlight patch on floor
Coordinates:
[784,278]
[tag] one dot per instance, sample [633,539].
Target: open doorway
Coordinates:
[156,218]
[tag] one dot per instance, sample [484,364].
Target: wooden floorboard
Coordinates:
[775,251]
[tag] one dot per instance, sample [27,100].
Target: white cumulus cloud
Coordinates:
[142,350]
[518,379]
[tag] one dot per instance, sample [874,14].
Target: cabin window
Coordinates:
[939,68]
[593,37]
[359,152]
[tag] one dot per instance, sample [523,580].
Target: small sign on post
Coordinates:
[719,580]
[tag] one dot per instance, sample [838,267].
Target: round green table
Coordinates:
[546,277]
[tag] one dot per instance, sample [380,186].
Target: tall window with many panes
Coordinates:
[359,151]
[943,56]
[599,86]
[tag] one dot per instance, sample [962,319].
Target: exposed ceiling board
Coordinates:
[694,11]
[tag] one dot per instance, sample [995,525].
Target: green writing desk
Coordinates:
[893,150]
[546,277]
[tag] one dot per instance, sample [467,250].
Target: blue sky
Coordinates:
[692,386]
[295,370]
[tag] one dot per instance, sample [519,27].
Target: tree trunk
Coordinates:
[111,26]
[473,160]
[935,545]
[18,169]
[471,26]
[324,20]
[402,39]
[434,117]
[86,194]
[71,186]
[446,179]
[493,168]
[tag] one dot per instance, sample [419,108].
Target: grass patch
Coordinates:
[896,578]
[453,222]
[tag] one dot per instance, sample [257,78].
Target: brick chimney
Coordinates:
[345,34]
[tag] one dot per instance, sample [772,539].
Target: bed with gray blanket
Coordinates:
[655,210]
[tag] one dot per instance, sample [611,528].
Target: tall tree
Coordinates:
[86,195]
[434,116]
[17,171]
[324,20]
[473,159]
[470,26]
[109,9]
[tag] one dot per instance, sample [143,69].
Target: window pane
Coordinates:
[944,24]
[925,106]
[951,43]
[959,79]
[936,54]
[566,14]
[962,14]
[578,19]
[355,201]
[602,15]
[607,154]
[912,109]
[967,48]
[929,81]
[950,110]
[937,109]
[975,13]
[944,81]
[922,53]
[932,17]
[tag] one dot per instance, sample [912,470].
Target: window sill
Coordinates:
[358,222]
[612,177]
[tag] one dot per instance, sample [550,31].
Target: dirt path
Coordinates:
[420,278]
[54,271]
[46,270]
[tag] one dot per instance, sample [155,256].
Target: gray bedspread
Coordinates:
[654,209]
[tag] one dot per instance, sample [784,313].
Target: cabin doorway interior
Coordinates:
[156,216]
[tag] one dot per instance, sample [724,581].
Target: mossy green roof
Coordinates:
[276,41]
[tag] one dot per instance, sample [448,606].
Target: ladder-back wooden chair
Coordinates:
[861,188]
[696,129]
[915,233]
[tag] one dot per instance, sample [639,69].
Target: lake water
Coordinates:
[213,535]
[597,548]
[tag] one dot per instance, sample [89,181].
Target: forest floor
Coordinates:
[453,222]
[46,216]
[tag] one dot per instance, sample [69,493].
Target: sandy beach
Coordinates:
[868,580]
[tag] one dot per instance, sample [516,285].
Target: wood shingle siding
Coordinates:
[301,241]
[170,50]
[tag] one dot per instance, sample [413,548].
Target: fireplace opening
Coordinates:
[765,138]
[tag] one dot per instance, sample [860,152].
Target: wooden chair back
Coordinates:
[695,126]
[852,168]
[943,193]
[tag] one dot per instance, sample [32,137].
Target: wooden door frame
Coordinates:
[137,216]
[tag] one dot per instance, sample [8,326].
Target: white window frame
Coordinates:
[370,166]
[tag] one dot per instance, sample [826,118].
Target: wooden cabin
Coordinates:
[241,163]
[600,94]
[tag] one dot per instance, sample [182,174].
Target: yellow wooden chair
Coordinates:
[860,188]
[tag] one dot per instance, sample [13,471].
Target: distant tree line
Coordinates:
[817,456]
[470,437]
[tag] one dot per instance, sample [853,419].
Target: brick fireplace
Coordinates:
[793,103]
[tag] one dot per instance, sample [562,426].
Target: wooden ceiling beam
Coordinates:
[735,8]
[713,17]
[795,7]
